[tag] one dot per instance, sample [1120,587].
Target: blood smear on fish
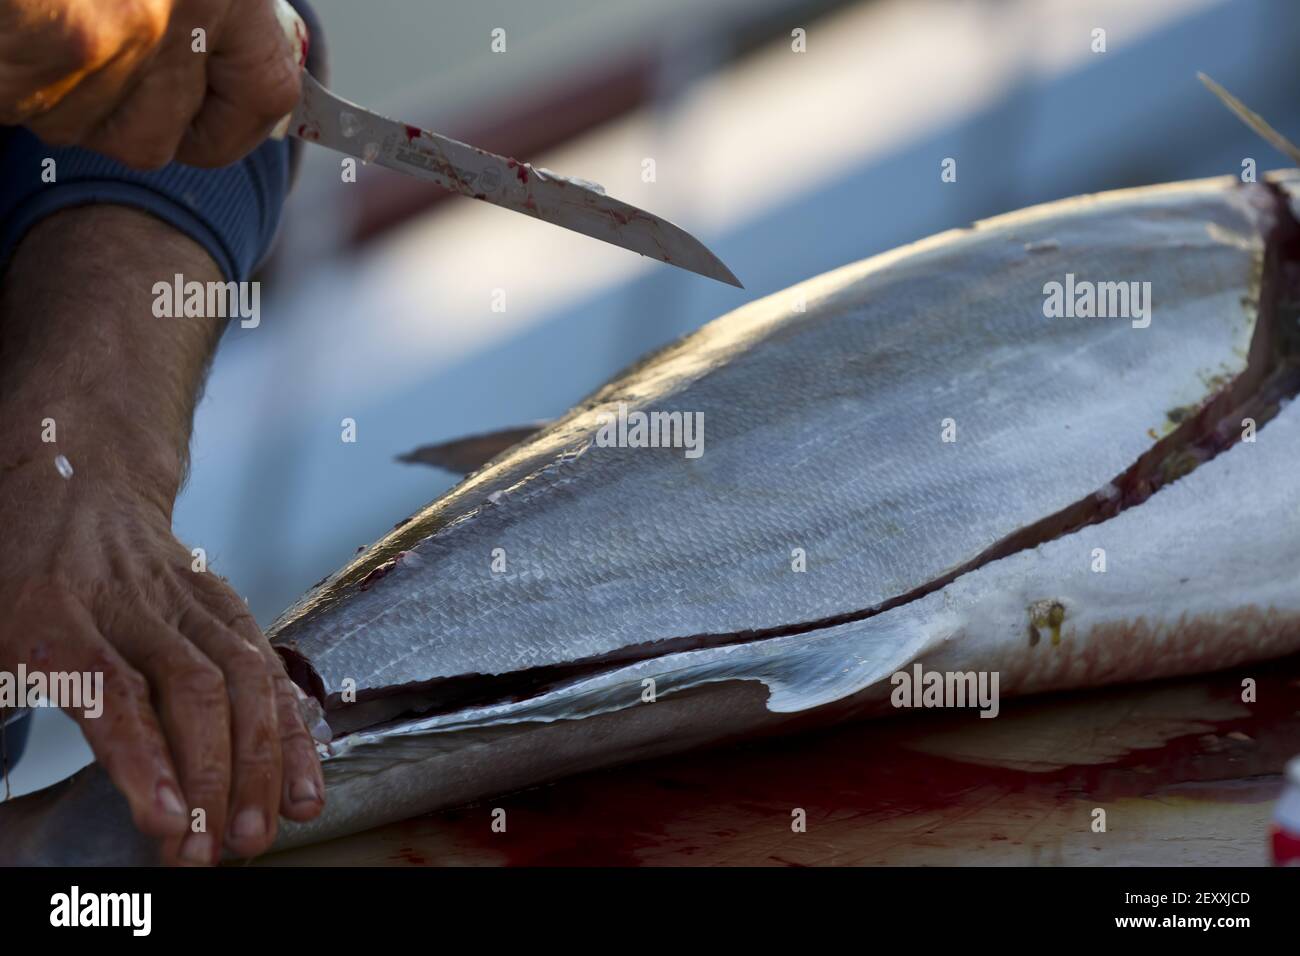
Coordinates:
[378,573]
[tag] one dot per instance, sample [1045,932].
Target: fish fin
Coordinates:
[1252,119]
[464,455]
[802,672]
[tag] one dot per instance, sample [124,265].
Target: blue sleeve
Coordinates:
[232,212]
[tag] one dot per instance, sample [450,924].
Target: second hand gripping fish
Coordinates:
[903,460]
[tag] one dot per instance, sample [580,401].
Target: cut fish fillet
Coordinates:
[823,436]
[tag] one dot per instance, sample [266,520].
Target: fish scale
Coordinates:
[880,505]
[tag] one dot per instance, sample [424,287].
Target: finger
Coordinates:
[48,60]
[252,81]
[303,794]
[256,769]
[123,731]
[78,113]
[195,713]
[146,128]
[303,790]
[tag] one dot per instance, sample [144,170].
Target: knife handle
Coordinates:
[296,31]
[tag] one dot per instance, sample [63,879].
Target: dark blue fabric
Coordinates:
[233,212]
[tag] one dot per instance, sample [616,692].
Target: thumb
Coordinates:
[253,82]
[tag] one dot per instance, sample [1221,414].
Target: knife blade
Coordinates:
[326,119]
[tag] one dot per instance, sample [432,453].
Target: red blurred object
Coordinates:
[1286,819]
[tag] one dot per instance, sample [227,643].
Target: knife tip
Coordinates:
[720,272]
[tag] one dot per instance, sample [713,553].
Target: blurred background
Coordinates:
[378,304]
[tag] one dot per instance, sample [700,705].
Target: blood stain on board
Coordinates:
[521,170]
[667,810]
[411,857]
[412,133]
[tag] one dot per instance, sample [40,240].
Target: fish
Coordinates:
[1057,446]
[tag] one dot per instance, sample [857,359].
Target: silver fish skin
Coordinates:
[633,569]
[822,433]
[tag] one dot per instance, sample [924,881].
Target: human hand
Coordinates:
[198,712]
[125,79]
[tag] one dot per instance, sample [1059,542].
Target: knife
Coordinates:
[328,120]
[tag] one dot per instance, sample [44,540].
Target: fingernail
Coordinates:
[197,848]
[248,823]
[170,800]
[304,790]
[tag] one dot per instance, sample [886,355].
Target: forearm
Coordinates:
[79,344]
[197,712]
